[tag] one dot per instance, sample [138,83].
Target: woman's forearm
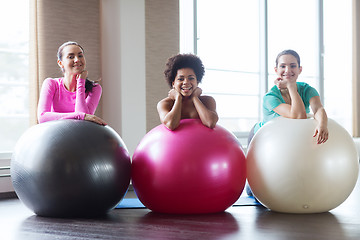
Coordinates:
[321,116]
[172,119]
[297,108]
[208,117]
[87,103]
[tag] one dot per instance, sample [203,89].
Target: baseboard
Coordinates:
[8,195]
[5,178]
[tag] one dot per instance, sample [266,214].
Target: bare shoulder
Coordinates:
[206,99]
[165,103]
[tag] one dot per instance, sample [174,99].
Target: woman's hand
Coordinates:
[95,119]
[197,92]
[321,130]
[280,83]
[284,83]
[174,94]
[82,75]
[322,134]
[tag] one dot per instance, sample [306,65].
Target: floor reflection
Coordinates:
[206,226]
[291,226]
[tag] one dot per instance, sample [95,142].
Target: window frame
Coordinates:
[187,45]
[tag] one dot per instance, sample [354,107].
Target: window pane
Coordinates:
[241,107]
[294,25]
[14,64]
[337,61]
[236,82]
[241,114]
[228,44]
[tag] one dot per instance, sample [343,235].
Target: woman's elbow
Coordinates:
[212,123]
[298,116]
[41,118]
[302,116]
[171,125]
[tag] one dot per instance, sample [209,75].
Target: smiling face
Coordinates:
[72,60]
[288,67]
[185,81]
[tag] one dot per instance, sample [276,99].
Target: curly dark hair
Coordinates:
[181,61]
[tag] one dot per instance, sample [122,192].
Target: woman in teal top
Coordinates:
[292,99]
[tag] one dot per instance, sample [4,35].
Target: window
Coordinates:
[298,30]
[228,44]
[238,41]
[14,64]
[338,61]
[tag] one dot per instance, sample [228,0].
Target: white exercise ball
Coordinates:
[289,172]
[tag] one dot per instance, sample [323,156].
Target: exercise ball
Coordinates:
[289,172]
[193,169]
[70,168]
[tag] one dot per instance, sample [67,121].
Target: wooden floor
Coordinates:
[245,222]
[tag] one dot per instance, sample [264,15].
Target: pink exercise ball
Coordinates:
[193,169]
[289,172]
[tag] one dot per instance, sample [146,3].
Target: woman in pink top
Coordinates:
[72,96]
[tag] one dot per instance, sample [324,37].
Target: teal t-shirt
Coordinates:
[273,98]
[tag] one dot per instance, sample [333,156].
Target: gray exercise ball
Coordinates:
[70,168]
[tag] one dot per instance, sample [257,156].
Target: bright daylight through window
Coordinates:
[238,41]
[14,64]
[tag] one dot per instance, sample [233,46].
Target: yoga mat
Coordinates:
[135,202]
[130,203]
[246,201]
